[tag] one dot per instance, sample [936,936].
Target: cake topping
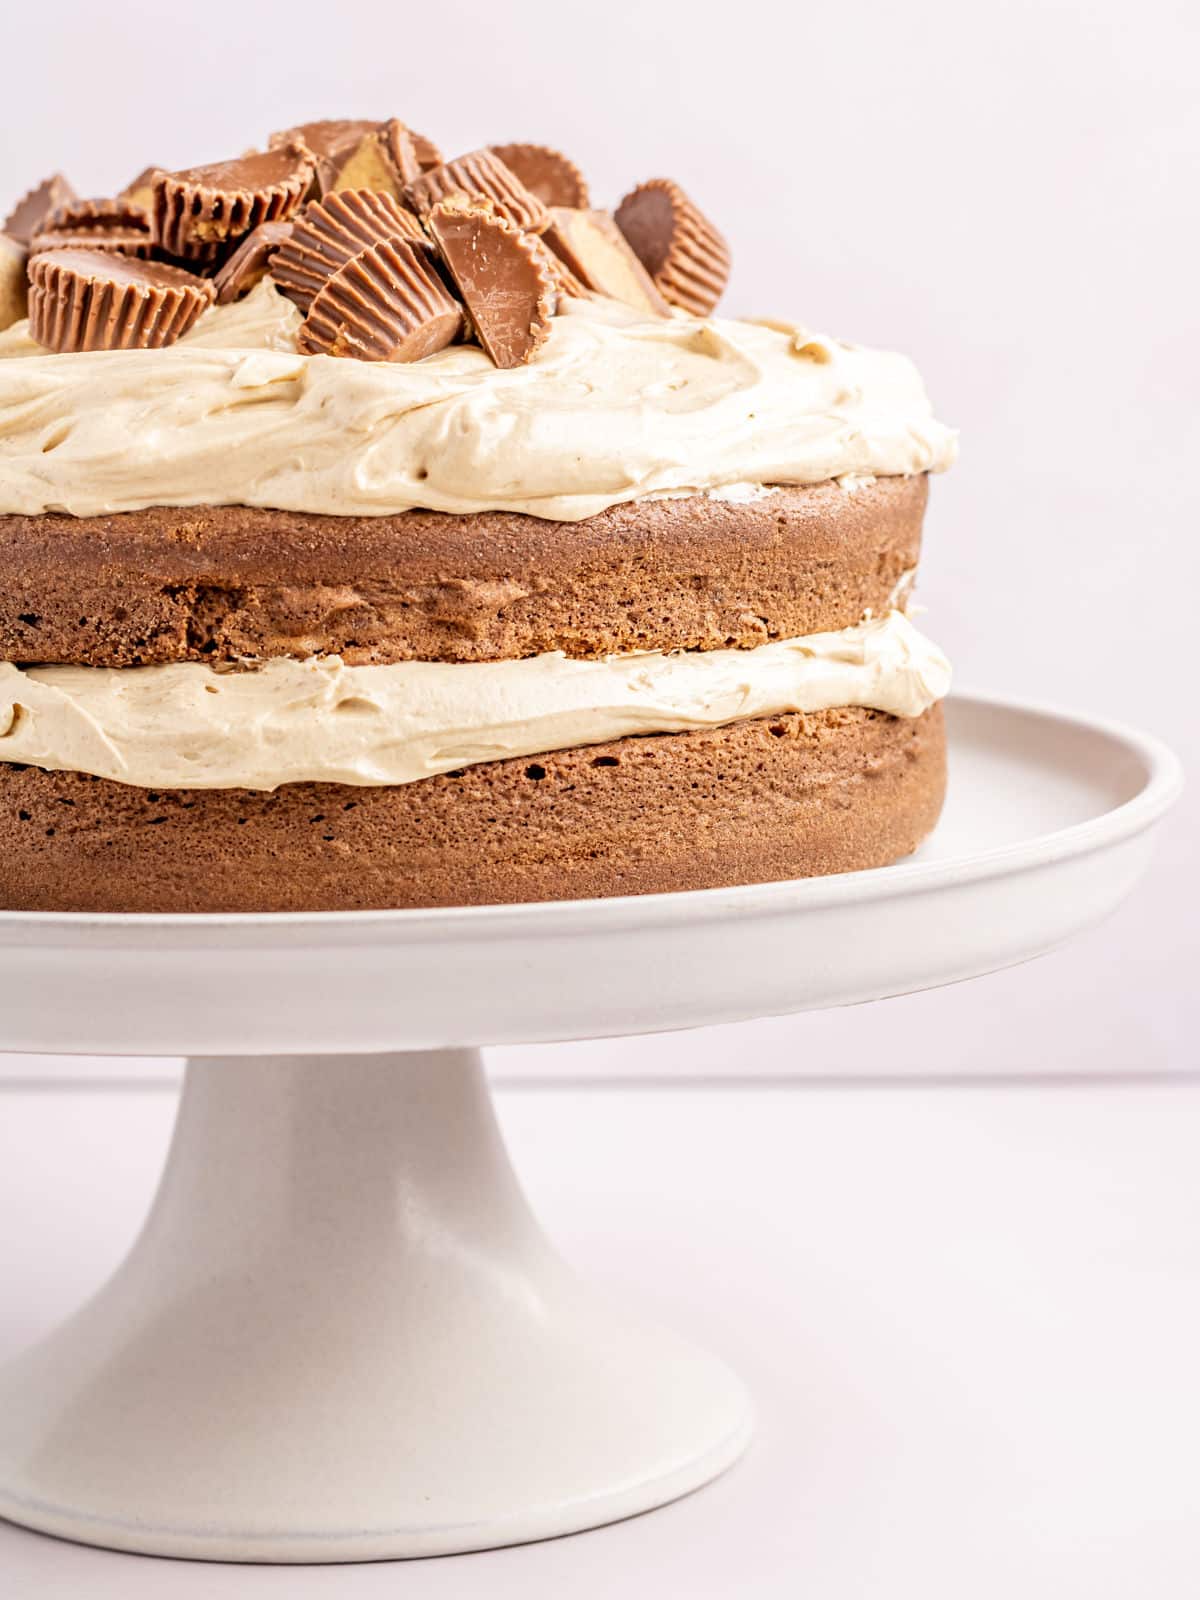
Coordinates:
[545,172]
[516,236]
[384,304]
[141,191]
[427,153]
[201,209]
[383,159]
[330,141]
[124,241]
[481,174]
[99,300]
[13,256]
[249,263]
[597,252]
[675,242]
[334,229]
[502,276]
[82,216]
[29,214]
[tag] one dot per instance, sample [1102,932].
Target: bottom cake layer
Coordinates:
[783,797]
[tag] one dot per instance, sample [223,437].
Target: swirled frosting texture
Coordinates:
[186,726]
[613,408]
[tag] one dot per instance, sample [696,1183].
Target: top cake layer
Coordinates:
[615,406]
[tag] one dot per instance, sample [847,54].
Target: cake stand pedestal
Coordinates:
[341,1335]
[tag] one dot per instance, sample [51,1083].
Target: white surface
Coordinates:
[969,1318]
[1047,829]
[341,1336]
[1006,192]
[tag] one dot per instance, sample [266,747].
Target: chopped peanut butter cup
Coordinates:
[332,231]
[201,210]
[141,191]
[545,172]
[29,214]
[122,241]
[677,244]
[354,154]
[98,300]
[250,262]
[86,216]
[330,142]
[599,255]
[427,153]
[502,276]
[383,160]
[479,175]
[13,281]
[384,304]
[564,280]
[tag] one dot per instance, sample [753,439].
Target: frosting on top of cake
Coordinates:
[187,726]
[615,406]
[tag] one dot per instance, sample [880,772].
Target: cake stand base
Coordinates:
[342,1336]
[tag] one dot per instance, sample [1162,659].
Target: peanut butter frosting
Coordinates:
[614,407]
[187,726]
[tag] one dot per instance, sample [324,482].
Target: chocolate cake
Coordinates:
[380,531]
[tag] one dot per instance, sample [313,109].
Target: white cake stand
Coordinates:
[341,1335]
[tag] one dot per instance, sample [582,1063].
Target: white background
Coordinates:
[1008,192]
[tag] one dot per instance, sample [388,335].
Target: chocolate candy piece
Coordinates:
[122,241]
[545,172]
[199,211]
[385,304]
[98,300]
[29,214]
[502,276]
[13,280]
[677,244]
[141,191]
[383,160]
[566,284]
[597,252]
[481,174]
[87,216]
[250,262]
[332,231]
[427,153]
[330,142]
[357,154]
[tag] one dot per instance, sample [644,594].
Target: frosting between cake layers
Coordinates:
[187,726]
[613,408]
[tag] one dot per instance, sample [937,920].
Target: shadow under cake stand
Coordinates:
[342,1334]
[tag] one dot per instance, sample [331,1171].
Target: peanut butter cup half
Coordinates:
[502,276]
[479,175]
[122,241]
[428,154]
[600,257]
[677,244]
[546,172]
[333,230]
[84,216]
[385,304]
[14,281]
[29,214]
[250,262]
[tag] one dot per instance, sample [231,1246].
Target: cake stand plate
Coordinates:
[341,1335]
